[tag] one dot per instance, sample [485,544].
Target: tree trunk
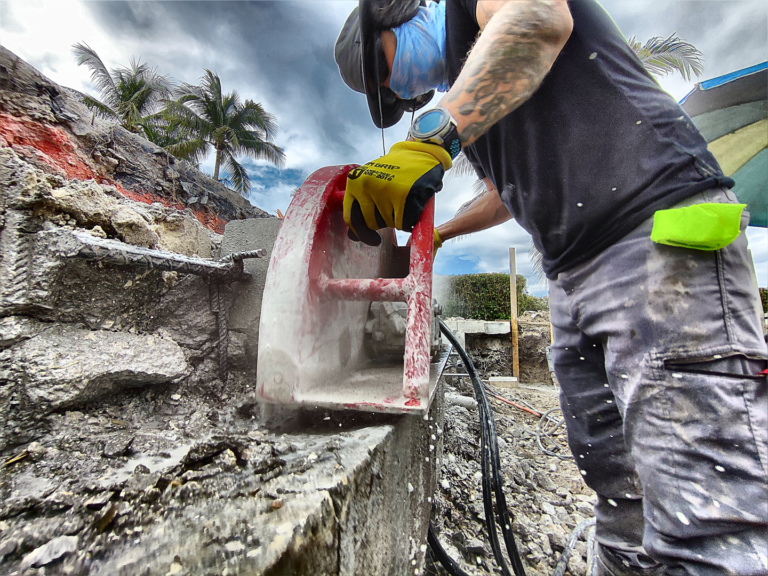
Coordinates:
[216,165]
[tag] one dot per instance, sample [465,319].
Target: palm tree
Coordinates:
[210,119]
[131,95]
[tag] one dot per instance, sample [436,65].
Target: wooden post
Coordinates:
[513,313]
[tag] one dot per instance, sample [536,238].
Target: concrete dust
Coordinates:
[163,476]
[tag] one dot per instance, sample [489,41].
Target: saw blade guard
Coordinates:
[317,295]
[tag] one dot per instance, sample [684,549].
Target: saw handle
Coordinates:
[415,289]
[390,289]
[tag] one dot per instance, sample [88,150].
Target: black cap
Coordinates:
[358,57]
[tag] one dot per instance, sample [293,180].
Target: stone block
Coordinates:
[497,327]
[245,313]
[471,326]
[307,502]
[180,232]
[65,366]
[503,381]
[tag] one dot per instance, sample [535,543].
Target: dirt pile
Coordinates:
[492,353]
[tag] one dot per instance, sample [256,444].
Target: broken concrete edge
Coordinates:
[356,502]
[245,312]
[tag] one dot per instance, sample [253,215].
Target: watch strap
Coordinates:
[452,141]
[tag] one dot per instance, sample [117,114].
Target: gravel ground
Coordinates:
[545,493]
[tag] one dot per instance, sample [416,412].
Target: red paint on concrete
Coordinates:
[52,142]
[56,149]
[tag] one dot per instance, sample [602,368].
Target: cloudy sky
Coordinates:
[280,53]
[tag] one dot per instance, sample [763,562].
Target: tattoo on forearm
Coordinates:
[506,65]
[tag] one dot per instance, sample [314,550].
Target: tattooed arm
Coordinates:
[518,45]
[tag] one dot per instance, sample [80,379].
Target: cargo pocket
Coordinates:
[724,396]
[734,365]
[707,226]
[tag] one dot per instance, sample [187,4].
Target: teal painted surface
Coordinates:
[718,123]
[752,188]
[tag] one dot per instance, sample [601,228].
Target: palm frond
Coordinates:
[461,167]
[478,189]
[187,118]
[253,115]
[101,109]
[190,149]
[237,175]
[536,260]
[144,85]
[231,104]
[105,83]
[662,56]
[263,150]
[188,93]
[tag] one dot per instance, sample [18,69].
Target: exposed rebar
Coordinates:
[218,273]
[87,247]
[222,342]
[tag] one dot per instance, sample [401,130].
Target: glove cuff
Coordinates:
[438,241]
[440,153]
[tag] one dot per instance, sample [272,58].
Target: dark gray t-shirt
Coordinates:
[596,150]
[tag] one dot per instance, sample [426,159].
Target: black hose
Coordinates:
[492,479]
[442,556]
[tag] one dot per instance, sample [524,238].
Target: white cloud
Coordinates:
[47,30]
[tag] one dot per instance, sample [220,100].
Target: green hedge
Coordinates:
[764,298]
[486,297]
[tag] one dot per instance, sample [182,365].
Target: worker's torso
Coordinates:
[595,151]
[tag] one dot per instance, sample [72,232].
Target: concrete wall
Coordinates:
[245,310]
[126,450]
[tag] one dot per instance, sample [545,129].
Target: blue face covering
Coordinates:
[419,64]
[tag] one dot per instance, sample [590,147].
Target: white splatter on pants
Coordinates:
[658,352]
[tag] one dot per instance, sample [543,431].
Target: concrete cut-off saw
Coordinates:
[345,325]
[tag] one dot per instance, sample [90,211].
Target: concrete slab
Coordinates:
[245,313]
[314,498]
[461,327]
[503,381]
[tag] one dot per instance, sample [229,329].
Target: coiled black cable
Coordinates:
[492,480]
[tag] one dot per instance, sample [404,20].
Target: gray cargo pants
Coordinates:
[657,350]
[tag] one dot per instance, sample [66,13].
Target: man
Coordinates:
[658,342]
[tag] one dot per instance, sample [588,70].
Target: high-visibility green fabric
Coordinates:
[701,226]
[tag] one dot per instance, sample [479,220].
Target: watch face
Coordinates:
[429,123]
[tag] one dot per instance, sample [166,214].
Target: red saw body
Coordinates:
[317,295]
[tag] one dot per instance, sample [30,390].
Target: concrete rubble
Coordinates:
[490,346]
[544,490]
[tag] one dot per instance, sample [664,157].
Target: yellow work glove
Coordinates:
[436,243]
[391,192]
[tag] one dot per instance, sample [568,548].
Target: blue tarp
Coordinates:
[725,78]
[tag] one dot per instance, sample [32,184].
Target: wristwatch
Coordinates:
[437,126]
